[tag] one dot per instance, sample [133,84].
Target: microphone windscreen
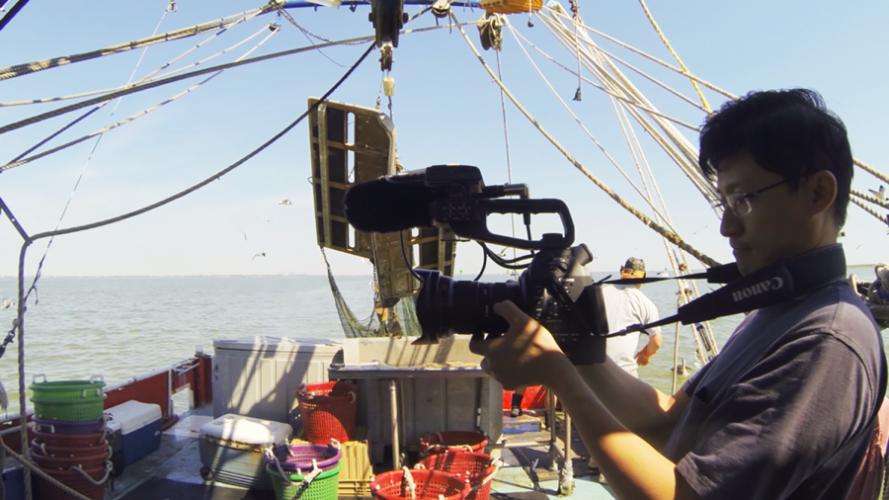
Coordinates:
[384,206]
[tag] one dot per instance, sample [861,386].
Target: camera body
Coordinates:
[555,289]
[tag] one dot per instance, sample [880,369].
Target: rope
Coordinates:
[645,55]
[217,175]
[86,165]
[160,68]
[505,145]
[164,81]
[681,152]
[35,66]
[671,236]
[78,468]
[871,170]
[577,120]
[28,240]
[684,154]
[306,33]
[12,12]
[30,466]
[872,199]
[882,218]
[609,92]
[673,53]
[589,134]
[22,161]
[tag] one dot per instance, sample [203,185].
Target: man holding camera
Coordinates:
[626,305]
[787,409]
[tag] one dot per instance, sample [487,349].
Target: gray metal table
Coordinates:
[391,374]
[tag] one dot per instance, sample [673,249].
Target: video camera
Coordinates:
[555,288]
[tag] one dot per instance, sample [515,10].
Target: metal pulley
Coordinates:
[388,17]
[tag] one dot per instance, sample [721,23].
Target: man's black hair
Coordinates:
[789,132]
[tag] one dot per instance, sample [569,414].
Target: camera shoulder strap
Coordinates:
[781,281]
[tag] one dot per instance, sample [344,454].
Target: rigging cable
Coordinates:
[577,120]
[702,333]
[616,78]
[676,57]
[599,87]
[506,150]
[12,13]
[883,203]
[306,33]
[682,151]
[644,54]
[647,197]
[28,240]
[163,81]
[37,274]
[673,237]
[147,77]
[35,66]
[17,162]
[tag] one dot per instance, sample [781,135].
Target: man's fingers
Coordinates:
[477,344]
[508,310]
[486,367]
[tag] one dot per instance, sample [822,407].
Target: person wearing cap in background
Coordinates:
[626,305]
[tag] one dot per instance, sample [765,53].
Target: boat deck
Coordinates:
[174,470]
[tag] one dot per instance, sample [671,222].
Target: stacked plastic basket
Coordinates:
[307,472]
[478,468]
[419,484]
[327,411]
[68,437]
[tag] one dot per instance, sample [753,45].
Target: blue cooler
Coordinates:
[140,428]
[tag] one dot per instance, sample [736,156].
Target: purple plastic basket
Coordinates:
[301,456]
[69,426]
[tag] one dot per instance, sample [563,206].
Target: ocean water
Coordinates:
[120,327]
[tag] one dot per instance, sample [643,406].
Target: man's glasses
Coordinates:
[739,203]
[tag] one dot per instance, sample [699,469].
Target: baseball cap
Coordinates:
[633,267]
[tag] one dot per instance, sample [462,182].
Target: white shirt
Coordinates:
[625,306]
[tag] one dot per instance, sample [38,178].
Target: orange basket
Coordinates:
[453,440]
[419,485]
[328,411]
[534,398]
[478,468]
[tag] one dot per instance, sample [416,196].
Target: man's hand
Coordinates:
[644,356]
[524,355]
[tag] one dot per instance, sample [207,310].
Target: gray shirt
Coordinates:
[787,408]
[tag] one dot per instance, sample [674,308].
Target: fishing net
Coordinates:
[396,321]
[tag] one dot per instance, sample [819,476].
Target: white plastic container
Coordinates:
[140,428]
[259,376]
[232,446]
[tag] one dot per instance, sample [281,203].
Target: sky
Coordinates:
[446,109]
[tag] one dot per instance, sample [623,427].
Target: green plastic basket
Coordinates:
[323,487]
[87,410]
[73,400]
[64,391]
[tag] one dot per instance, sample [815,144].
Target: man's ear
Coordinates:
[823,191]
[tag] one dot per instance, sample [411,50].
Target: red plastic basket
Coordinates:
[327,411]
[428,484]
[534,398]
[93,488]
[453,440]
[479,468]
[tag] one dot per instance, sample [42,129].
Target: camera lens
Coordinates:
[446,306]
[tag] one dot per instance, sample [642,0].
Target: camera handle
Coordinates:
[481,232]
